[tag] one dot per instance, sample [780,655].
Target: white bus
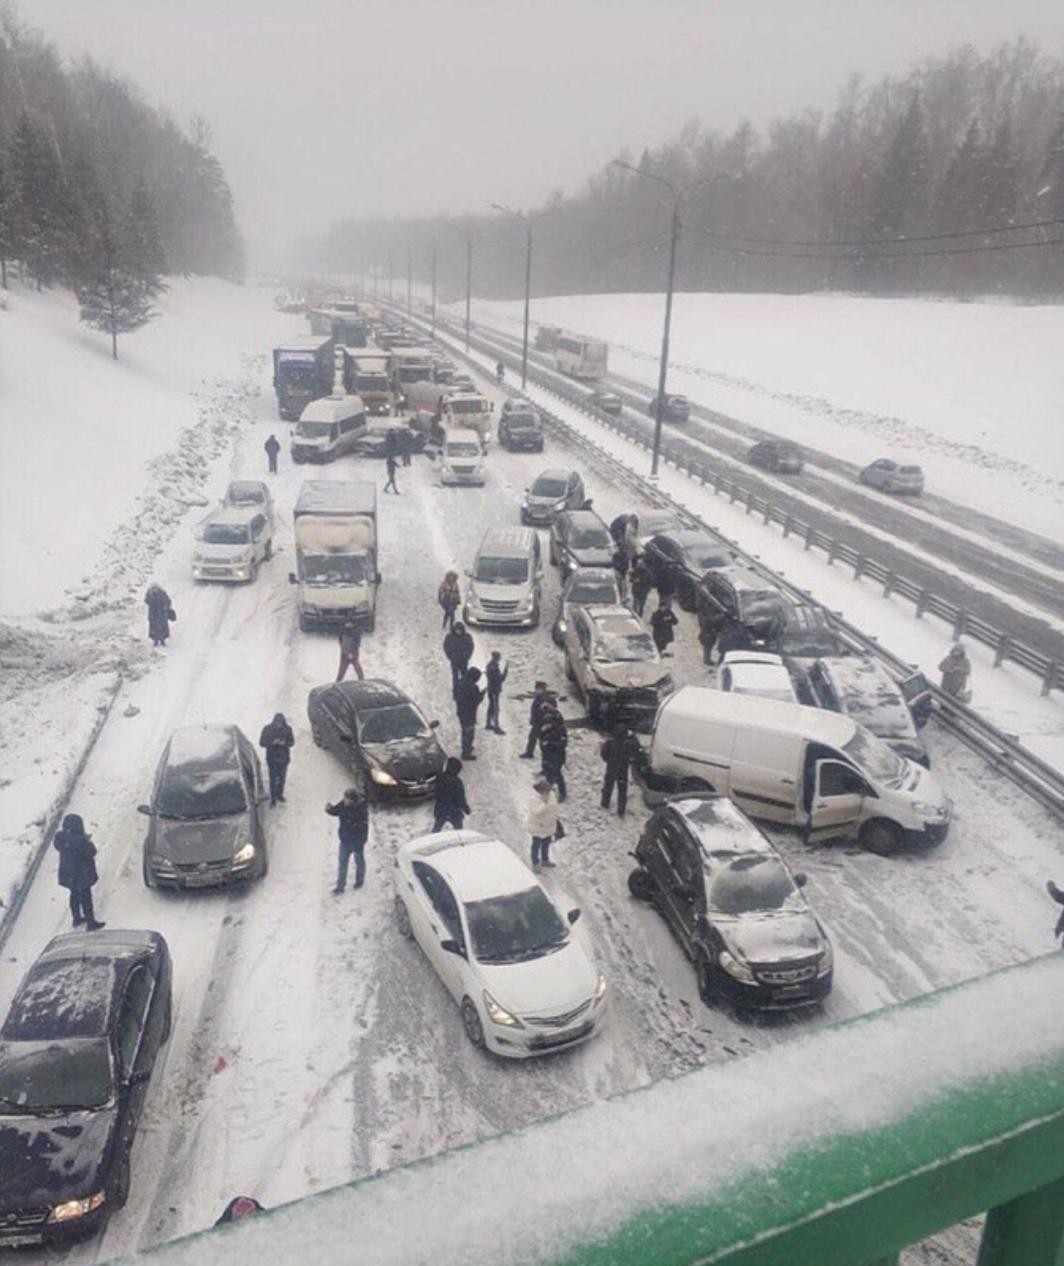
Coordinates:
[580,357]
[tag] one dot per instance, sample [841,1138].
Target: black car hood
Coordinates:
[213,840]
[408,760]
[772,938]
[51,1159]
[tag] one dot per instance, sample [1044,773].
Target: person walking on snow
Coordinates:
[404,443]
[272,447]
[392,466]
[353,812]
[1058,895]
[467,699]
[350,646]
[956,669]
[710,623]
[77,870]
[662,623]
[449,597]
[278,740]
[617,751]
[495,675]
[640,581]
[540,696]
[542,822]
[553,742]
[458,647]
[160,614]
[450,805]
[619,562]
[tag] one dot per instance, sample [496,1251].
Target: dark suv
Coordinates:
[551,492]
[780,456]
[676,409]
[742,596]
[579,538]
[77,1050]
[521,427]
[733,905]
[684,556]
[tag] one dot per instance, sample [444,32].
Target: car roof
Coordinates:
[866,689]
[746,578]
[554,472]
[461,435]
[765,672]
[365,695]
[590,575]
[719,826]
[202,745]
[585,518]
[512,542]
[702,704]
[232,516]
[247,485]
[476,866]
[606,615]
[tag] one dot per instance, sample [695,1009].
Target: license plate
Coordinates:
[791,991]
[202,881]
[20,1241]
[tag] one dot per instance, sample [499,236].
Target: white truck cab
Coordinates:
[461,458]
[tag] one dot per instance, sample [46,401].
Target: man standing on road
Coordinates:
[272,447]
[710,623]
[467,700]
[405,444]
[641,581]
[617,751]
[458,647]
[77,870]
[553,742]
[539,698]
[662,623]
[450,805]
[1058,895]
[496,675]
[278,740]
[350,646]
[392,466]
[353,813]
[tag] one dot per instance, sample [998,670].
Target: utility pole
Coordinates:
[522,215]
[409,280]
[433,322]
[390,276]
[468,284]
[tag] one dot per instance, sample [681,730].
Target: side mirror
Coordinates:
[452,947]
[434,725]
[144,808]
[293,579]
[573,915]
[801,879]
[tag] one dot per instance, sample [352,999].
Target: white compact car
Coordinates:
[756,673]
[525,983]
[232,542]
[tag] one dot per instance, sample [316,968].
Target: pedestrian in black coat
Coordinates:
[77,870]
[278,740]
[353,812]
[392,466]
[619,562]
[662,623]
[458,647]
[272,447]
[1058,895]
[553,742]
[160,614]
[641,580]
[539,698]
[618,751]
[467,700]
[733,637]
[350,649]
[404,443]
[450,805]
[495,675]
[710,624]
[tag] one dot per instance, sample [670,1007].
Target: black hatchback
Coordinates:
[77,1050]
[377,731]
[733,905]
[683,557]
[782,457]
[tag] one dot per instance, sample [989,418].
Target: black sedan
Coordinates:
[77,1051]
[375,442]
[606,402]
[683,557]
[379,732]
[676,408]
[782,457]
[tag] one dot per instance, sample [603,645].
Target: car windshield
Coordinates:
[53,1076]
[515,927]
[752,885]
[545,487]
[297,375]
[908,470]
[522,421]
[200,790]
[225,534]
[469,406]
[624,648]
[702,558]
[314,430]
[415,373]
[592,591]
[810,639]
[875,758]
[245,496]
[590,538]
[756,606]
[334,569]
[391,725]
[501,571]
[371,382]
[462,448]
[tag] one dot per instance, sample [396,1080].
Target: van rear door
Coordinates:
[838,799]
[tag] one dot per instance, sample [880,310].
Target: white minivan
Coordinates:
[328,428]
[788,763]
[231,542]
[461,458]
[506,579]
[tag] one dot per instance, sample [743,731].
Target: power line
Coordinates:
[885,241]
[858,256]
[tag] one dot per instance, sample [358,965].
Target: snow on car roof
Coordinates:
[866,690]
[372,692]
[476,866]
[202,744]
[63,997]
[236,515]
[720,826]
[333,409]
[246,486]
[614,619]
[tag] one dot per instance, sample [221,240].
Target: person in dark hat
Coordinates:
[77,870]
[353,812]
[277,740]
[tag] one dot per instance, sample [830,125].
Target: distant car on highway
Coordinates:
[375,441]
[551,492]
[890,476]
[232,542]
[520,427]
[782,457]
[77,1051]
[579,538]
[463,382]
[525,984]
[676,408]
[606,402]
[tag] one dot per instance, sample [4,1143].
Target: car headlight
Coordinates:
[925,810]
[244,854]
[499,1015]
[600,988]
[70,1209]
[382,778]
[163,865]
[827,960]
[736,970]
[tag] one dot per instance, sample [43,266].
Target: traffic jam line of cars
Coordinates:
[799,730]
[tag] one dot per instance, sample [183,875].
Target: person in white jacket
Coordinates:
[542,821]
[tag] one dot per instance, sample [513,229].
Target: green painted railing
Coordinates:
[838,1148]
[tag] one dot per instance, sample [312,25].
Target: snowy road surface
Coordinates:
[312,1044]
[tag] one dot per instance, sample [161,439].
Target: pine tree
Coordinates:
[6,239]
[112,295]
[142,248]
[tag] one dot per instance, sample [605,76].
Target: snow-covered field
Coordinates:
[973,392]
[312,1044]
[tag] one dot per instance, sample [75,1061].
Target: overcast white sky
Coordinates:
[329,108]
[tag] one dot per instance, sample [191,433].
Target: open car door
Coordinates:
[916,691]
[838,796]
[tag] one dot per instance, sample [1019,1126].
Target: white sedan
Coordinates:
[524,982]
[756,673]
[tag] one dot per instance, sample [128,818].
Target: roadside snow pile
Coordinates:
[971,391]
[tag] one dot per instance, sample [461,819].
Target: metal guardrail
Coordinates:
[1005,647]
[1003,752]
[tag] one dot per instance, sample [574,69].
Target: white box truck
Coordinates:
[335,524]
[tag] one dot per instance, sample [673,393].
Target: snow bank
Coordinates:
[974,392]
[583,1176]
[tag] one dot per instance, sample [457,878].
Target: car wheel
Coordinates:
[472,1025]
[640,885]
[253,572]
[268,552]
[696,786]
[569,669]
[707,985]
[881,836]
[685,596]
[552,553]
[316,735]
[402,919]
[120,1183]
[556,637]
[168,1019]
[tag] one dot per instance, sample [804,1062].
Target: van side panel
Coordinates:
[695,748]
[765,776]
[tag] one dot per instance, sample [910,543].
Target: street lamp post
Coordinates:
[433,323]
[523,215]
[467,234]
[409,280]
